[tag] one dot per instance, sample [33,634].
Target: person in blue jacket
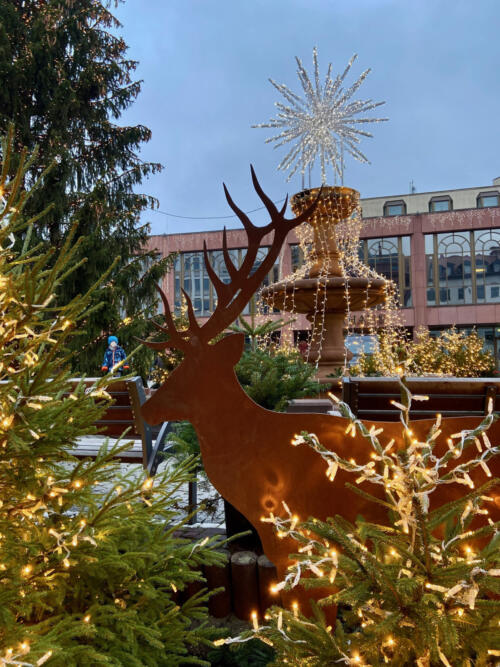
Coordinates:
[113,355]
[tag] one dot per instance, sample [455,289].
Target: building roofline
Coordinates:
[363,199]
[431,192]
[210,231]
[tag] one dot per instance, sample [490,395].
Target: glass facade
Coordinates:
[191,274]
[390,256]
[463,267]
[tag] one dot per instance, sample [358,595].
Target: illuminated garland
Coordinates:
[409,472]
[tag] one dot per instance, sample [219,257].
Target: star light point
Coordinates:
[323,123]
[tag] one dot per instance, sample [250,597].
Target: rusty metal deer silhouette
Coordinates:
[246,449]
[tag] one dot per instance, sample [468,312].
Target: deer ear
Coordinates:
[231,347]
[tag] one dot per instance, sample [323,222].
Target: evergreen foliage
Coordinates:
[422,589]
[90,569]
[66,80]
[452,352]
[272,377]
[257,332]
[251,654]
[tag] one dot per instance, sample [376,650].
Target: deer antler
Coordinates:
[233,297]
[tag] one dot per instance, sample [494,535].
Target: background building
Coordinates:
[442,249]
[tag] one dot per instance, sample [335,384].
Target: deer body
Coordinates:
[248,456]
[246,450]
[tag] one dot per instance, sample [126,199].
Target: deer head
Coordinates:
[205,363]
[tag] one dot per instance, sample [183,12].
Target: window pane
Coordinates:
[444,295]
[385,257]
[297,257]
[488,200]
[487,251]
[394,209]
[431,297]
[405,246]
[443,205]
[454,268]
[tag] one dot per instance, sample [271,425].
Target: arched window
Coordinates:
[383,255]
[390,256]
[487,270]
[454,268]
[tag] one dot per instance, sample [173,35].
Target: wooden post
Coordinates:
[267,577]
[192,588]
[245,584]
[219,605]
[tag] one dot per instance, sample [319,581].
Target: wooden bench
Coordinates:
[125,413]
[370,397]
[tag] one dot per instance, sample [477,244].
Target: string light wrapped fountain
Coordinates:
[326,281]
[322,126]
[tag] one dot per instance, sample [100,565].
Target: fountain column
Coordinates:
[327,329]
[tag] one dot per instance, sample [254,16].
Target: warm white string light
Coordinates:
[323,124]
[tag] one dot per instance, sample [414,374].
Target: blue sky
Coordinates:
[205,65]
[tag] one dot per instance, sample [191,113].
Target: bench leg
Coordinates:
[193,500]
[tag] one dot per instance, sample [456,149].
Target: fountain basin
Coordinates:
[326,301]
[306,294]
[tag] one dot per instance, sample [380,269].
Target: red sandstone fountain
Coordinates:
[326,287]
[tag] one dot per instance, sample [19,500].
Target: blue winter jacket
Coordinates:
[112,357]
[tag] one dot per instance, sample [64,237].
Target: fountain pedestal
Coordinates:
[328,344]
[326,295]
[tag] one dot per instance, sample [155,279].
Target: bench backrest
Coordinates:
[125,412]
[370,397]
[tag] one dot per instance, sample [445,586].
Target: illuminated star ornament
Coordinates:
[323,124]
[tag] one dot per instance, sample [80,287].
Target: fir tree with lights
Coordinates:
[453,352]
[91,572]
[66,81]
[420,590]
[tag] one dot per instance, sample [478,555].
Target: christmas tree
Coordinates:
[66,81]
[452,352]
[421,589]
[90,568]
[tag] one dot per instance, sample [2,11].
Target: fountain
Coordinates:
[326,283]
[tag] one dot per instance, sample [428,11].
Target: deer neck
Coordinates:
[226,414]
